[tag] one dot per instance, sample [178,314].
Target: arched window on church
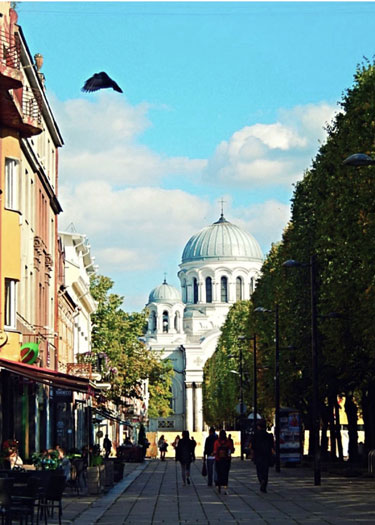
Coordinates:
[238,289]
[195,290]
[165,322]
[251,286]
[208,290]
[153,322]
[183,288]
[224,289]
[177,322]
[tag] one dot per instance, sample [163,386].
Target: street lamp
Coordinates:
[314,351]
[359,159]
[261,309]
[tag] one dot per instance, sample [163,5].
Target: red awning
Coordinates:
[48,377]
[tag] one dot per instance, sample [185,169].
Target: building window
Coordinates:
[153,321]
[10,303]
[208,290]
[224,289]
[238,289]
[11,184]
[195,291]
[251,286]
[165,322]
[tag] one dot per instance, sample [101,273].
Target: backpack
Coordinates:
[223,452]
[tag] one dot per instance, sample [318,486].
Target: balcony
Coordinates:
[10,61]
[79,370]
[21,110]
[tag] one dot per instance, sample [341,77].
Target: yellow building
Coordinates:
[29,140]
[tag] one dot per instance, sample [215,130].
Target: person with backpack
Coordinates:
[223,449]
[208,455]
[262,451]
[185,454]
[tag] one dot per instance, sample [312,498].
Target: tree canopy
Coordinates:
[117,335]
[333,219]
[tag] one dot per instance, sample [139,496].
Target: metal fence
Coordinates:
[10,49]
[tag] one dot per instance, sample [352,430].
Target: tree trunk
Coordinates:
[324,437]
[368,408]
[351,413]
[338,432]
[332,427]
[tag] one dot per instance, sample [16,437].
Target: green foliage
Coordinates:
[117,334]
[160,384]
[333,218]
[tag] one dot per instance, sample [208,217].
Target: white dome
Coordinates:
[222,241]
[165,293]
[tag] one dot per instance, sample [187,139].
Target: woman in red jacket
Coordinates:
[223,448]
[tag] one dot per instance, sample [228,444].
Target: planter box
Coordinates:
[118,468]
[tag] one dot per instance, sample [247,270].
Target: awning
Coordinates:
[49,377]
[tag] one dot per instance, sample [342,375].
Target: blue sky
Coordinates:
[221,100]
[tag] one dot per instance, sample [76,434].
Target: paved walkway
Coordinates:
[152,493]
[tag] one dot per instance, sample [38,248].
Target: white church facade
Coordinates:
[220,265]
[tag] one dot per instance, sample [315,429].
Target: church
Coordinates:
[220,265]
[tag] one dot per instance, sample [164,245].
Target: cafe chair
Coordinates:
[53,497]
[77,476]
[26,501]
[6,485]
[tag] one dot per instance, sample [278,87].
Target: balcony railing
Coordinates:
[10,50]
[79,369]
[31,104]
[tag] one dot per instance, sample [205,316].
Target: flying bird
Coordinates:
[100,81]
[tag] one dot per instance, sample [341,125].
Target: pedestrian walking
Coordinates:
[223,449]
[107,445]
[209,456]
[175,443]
[185,454]
[162,445]
[261,451]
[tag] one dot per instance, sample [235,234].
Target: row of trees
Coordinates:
[123,357]
[333,219]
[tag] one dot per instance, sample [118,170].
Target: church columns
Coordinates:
[189,407]
[198,408]
[189,293]
[160,323]
[201,290]
[194,407]
[231,291]
[215,296]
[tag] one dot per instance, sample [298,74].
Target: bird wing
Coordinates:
[100,81]
[93,83]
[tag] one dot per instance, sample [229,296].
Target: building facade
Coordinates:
[220,265]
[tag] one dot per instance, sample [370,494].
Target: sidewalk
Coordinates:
[152,493]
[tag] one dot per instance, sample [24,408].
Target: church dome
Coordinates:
[165,293]
[222,241]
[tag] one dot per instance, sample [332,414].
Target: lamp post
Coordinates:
[314,351]
[277,381]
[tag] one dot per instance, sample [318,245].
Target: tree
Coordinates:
[117,335]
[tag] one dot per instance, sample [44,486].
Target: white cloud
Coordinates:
[135,227]
[101,144]
[271,154]
[266,221]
